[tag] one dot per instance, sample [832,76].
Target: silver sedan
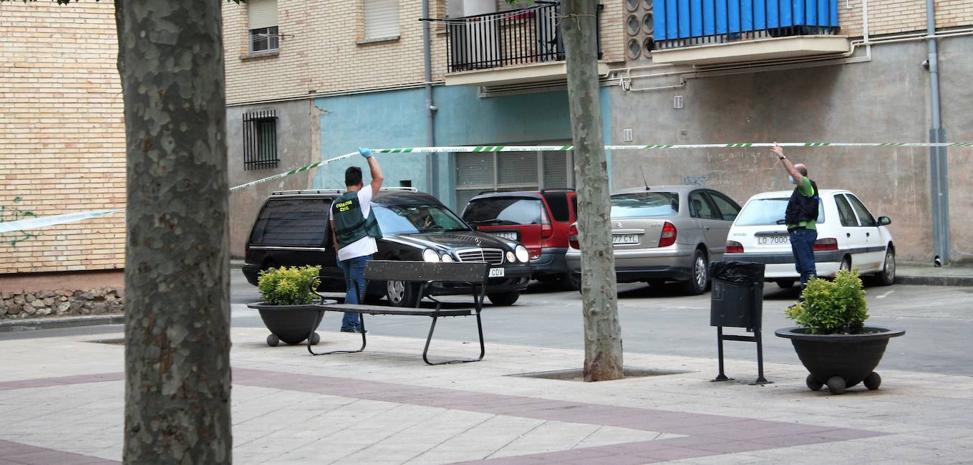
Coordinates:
[666,233]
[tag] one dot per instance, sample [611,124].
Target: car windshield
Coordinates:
[504,211]
[645,205]
[760,212]
[412,219]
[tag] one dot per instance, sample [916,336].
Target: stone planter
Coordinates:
[840,361]
[289,323]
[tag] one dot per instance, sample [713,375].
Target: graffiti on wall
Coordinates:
[15,212]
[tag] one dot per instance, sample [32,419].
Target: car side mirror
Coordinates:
[884,221]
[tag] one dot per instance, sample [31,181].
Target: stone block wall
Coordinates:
[61,302]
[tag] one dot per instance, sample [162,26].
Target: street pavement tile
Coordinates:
[23,454]
[60,381]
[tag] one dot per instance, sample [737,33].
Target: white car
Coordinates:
[848,237]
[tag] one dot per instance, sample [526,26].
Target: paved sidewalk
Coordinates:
[935,276]
[61,403]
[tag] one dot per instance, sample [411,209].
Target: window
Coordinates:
[264,35]
[767,212]
[645,205]
[864,216]
[699,207]
[844,211]
[381,19]
[260,140]
[511,171]
[292,223]
[504,211]
[728,209]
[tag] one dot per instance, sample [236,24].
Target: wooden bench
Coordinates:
[473,275]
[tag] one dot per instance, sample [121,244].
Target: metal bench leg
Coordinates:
[364,342]
[432,329]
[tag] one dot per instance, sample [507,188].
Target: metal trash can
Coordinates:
[737,301]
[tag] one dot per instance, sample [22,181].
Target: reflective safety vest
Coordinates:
[349,223]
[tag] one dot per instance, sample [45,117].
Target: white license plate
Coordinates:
[496,272]
[778,239]
[510,236]
[625,239]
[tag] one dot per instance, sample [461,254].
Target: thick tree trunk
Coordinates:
[602,333]
[177,365]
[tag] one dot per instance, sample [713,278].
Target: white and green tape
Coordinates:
[46,221]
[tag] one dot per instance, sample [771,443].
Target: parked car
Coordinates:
[540,220]
[848,236]
[292,229]
[666,233]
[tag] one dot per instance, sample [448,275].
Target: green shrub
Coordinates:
[832,307]
[289,286]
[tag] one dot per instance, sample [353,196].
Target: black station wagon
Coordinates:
[292,229]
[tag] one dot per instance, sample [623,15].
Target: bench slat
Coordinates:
[382,310]
[388,270]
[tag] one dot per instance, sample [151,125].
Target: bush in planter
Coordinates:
[289,286]
[832,307]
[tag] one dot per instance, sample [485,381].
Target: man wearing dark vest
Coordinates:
[353,233]
[801,216]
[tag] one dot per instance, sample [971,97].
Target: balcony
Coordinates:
[509,47]
[726,31]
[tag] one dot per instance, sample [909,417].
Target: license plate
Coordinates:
[778,239]
[496,272]
[618,239]
[510,236]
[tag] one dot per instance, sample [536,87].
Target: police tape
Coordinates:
[46,221]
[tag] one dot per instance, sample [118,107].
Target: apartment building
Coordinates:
[312,80]
[62,135]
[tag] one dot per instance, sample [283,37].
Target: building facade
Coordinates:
[307,82]
[62,135]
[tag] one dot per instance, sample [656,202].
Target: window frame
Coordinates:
[854,200]
[841,217]
[706,200]
[364,38]
[713,195]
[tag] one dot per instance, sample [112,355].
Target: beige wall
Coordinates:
[62,140]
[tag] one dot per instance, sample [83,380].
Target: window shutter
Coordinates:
[381,18]
[263,13]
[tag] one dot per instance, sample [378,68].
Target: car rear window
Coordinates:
[645,205]
[760,212]
[504,211]
[292,223]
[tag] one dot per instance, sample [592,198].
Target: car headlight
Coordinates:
[522,254]
[446,258]
[430,255]
[511,258]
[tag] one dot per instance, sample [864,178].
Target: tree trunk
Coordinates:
[177,365]
[602,333]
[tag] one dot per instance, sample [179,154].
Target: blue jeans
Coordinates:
[354,271]
[802,244]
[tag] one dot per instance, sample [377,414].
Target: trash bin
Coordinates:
[738,294]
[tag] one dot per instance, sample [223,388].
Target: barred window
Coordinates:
[260,140]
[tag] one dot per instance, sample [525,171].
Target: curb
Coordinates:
[33,324]
[962,281]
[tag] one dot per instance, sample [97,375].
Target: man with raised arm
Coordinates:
[801,216]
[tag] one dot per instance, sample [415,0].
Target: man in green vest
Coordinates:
[353,232]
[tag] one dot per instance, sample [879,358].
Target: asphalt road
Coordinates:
[938,322]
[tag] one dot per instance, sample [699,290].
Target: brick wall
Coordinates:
[62,140]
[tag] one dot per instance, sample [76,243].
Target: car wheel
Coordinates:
[887,276]
[571,281]
[785,283]
[504,299]
[698,274]
[401,294]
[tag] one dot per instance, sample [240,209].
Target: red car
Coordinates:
[540,220]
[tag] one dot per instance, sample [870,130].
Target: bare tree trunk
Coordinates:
[602,333]
[177,365]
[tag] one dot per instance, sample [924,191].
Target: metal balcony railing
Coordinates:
[684,23]
[509,38]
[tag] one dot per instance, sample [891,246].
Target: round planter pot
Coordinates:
[290,323]
[840,361]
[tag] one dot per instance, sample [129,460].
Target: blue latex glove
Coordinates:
[365,152]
